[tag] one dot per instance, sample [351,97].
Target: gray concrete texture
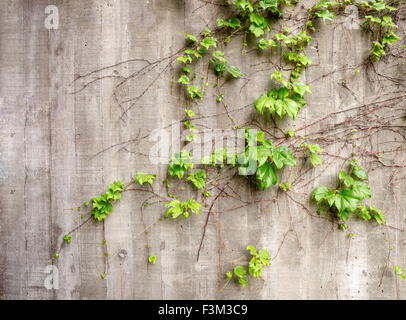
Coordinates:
[78,105]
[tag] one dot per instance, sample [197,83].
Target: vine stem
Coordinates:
[81,225]
[207,220]
[106,256]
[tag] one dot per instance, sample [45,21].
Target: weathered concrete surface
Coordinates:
[63,141]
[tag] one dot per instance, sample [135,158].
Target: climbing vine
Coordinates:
[265,154]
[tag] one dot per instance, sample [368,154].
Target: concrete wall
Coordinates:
[65,136]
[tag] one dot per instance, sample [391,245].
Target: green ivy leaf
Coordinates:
[266,175]
[152,259]
[252,249]
[348,181]
[193,206]
[325,4]
[373,19]
[265,101]
[315,159]
[67,238]
[387,22]
[377,214]
[257,31]
[300,87]
[357,171]
[190,113]
[240,271]
[174,209]
[364,212]
[281,156]
[263,153]
[191,37]
[389,38]
[291,107]
[320,193]
[265,4]
[142,178]
[232,23]
[361,189]
[194,92]
[208,42]
[346,200]
[325,14]
[378,50]
[235,72]
[184,79]
[244,5]
[179,164]
[243,281]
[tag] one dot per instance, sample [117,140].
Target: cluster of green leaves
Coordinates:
[295,45]
[289,98]
[382,24]
[261,158]
[285,100]
[67,238]
[175,208]
[188,124]
[254,17]
[314,150]
[221,64]
[348,198]
[378,5]
[198,178]
[180,163]
[196,51]
[256,265]
[269,159]
[101,205]
[299,40]
[258,24]
[262,7]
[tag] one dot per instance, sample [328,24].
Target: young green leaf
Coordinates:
[173,208]
[142,178]
[320,193]
[184,79]
[67,238]
[399,272]
[191,37]
[190,113]
[152,259]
